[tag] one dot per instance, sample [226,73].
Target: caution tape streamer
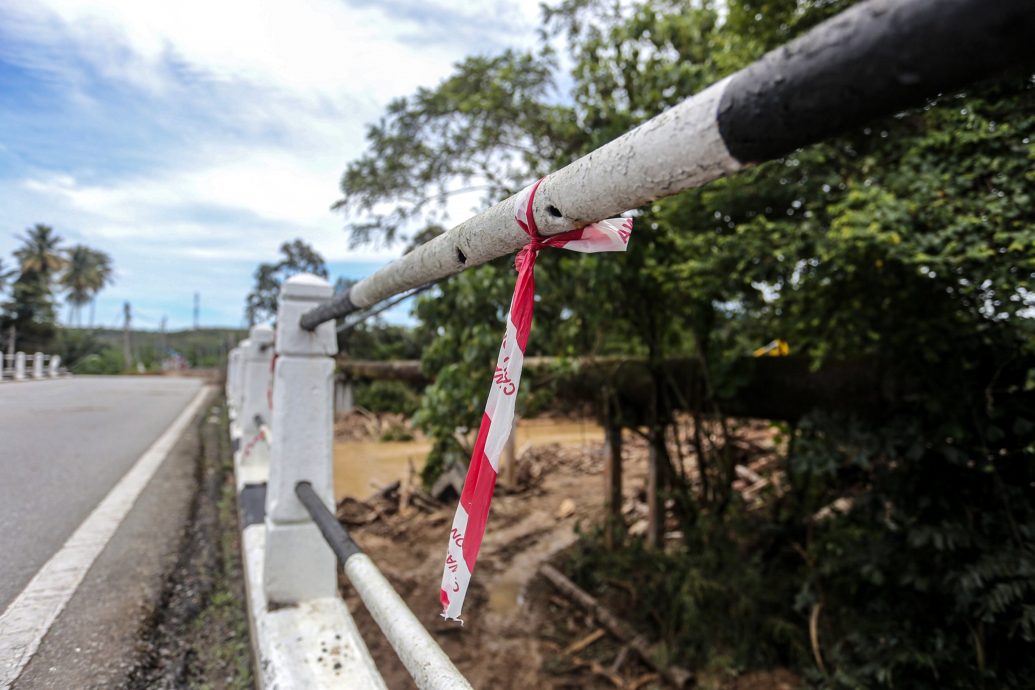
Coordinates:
[472,513]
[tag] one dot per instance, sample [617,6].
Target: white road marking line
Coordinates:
[30,615]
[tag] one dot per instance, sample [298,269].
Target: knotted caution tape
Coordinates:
[465,537]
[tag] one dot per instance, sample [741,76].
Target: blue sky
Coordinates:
[190,139]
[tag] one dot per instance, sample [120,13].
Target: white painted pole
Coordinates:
[19,366]
[55,366]
[420,654]
[795,95]
[299,564]
[37,365]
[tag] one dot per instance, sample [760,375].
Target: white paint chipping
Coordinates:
[300,646]
[677,150]
[30,615]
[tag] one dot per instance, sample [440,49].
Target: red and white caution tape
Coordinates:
[465,537]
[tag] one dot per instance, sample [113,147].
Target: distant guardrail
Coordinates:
[23,367]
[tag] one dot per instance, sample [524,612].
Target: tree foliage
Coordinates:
[296,257]
[910,242]
[30,308]
[87,272]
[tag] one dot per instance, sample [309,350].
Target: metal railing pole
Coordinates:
[417,649]
[875,58]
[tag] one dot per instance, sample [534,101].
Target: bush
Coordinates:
[107,361]
[387,396]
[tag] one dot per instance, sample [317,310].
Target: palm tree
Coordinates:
[78,279]
[31,308]
[5,275]
[87,272]
[101,276]
[39,254]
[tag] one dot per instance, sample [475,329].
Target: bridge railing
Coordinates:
[23,367]
[874,59]
[280,391]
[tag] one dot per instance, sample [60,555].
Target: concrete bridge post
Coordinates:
[232,360]
[37,365]
[299,565]
[55,366]
[238,400]
[344,398]
[19,366]
[255,379]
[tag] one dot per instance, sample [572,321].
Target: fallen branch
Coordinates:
[576,647]
[814,637]
[677,676]
[383,492]
[643,680]
[599,670]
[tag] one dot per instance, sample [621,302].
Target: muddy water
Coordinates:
[359,466]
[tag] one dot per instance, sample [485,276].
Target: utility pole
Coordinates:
[127,354]
[197,309]
[161,339]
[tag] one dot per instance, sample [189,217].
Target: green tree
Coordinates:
[30,308]
[909,242]
[5,275]
[87,271]
[296,257]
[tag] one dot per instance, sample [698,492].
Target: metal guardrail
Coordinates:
[429,666]
[875,58]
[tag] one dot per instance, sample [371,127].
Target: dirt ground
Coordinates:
[517,632]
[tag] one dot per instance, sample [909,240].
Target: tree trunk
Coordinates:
[612,474]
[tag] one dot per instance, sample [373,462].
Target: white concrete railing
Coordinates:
[16,367]
[280,390]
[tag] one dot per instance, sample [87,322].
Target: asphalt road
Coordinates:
[63,445]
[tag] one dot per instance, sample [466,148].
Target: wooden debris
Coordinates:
[748,474]
[841,506]
[814,637]
[643,680]
[620,658]
[599,670]
[565,509]
[678,677]
[452,480]
[576,647]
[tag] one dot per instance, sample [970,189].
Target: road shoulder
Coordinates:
[104,638]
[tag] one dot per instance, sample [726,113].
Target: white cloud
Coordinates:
[321,48]
[247,112]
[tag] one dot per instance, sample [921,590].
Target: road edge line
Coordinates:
[31,614]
